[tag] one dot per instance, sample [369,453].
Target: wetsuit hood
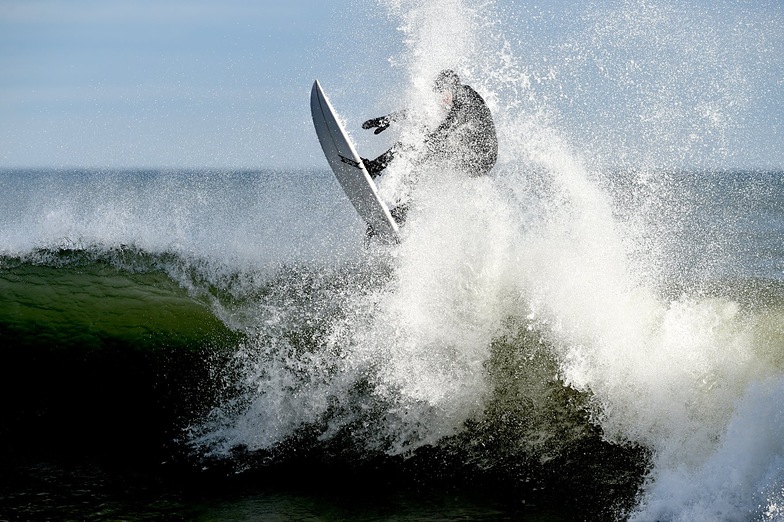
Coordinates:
[446,80]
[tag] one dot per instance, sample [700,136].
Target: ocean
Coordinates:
[593,331]
[220,345]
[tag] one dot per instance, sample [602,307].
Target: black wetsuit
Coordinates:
[467,135]
[465,139]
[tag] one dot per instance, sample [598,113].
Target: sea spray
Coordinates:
[740,478]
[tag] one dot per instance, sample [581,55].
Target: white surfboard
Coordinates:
[348,167]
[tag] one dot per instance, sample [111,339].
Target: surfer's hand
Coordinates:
[382,123]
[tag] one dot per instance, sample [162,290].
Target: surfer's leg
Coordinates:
[374,167]
[399,213]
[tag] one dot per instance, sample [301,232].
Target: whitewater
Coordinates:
[605,311]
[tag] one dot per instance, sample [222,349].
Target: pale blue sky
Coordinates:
[165,83]
[200,84]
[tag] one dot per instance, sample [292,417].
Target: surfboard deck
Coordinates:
[349,170]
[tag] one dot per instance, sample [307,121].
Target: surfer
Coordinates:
[465,139]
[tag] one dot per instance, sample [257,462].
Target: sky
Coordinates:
[164,83]
[225,84]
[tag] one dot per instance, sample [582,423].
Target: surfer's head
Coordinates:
[446,80]
[445,85]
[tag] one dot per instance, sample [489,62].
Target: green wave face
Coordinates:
[89,304]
